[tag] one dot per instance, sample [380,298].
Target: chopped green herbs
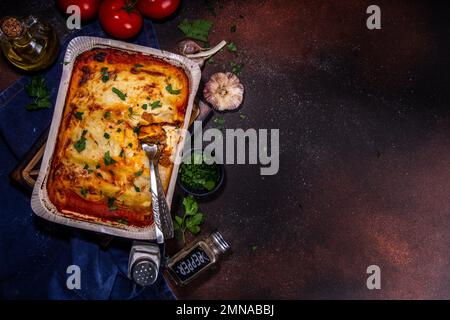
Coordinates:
[107,159]
[130,145]
[219,121]
[137,189]
[86,167]
[236,68]
[122,153]
[137,130]
[254,248]
[190,220]
[139,173]
[107,115]
[144,106]
[111,206]
[119,93]
[98,166]
[171,90]
[232,47]
[84,192]
[233,28]
[198,175]
[138,65]
[99,175]
[156,104]
[211,60]
[122,221]
[196,29]
[80,145]
[37,88]
[242,116]
[106,135]
[79,115]
[105,74]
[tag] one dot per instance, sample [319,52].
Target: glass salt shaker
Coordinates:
[190,262]
[29,44]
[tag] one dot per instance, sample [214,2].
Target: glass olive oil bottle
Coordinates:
[28,43]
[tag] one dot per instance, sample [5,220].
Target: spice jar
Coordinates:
[28,43]
[190,262]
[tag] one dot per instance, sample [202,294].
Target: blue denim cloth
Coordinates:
[34,253]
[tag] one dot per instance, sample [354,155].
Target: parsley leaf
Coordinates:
[233,28]
[37,88]
[144,106]
[139,173]
[79,115]
[105,74]
[138,65]
[137,189]
[232,47]
[80,145]
[137,130]
[236,68]
[190,220]
[196,29]
[106,135]
[107,159]
[119,93]
[86,167]
[111,206]
[156,104]
[171,90]
[107,115]
[84,192]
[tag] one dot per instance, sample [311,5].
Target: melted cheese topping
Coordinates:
[99,171]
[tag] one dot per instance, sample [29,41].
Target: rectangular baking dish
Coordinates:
[40,202]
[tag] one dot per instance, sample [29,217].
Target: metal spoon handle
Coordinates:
[155,201]
[164,211]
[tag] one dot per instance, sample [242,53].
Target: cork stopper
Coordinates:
[11,27]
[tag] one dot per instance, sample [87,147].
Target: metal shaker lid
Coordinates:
[144,272]
[219,242]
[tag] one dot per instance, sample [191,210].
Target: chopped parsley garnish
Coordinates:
[111,206]
[86,167]
[171,90]
[198,175]
[211,60]
[156,104]
[144,106]
[196,29]
[137,130]
[79,115]
[107,159]
[233,28]
[84,192]
[107,115]
[130,145]
[122,153]
[106,135]
[120,121]
[236,68]
[98,166]
[99,175]
[37,89]
[232,47]
[80,145]
[122,221]
[219,121]
[105,74]
[119,93]
[139,173]
[137,189]
[254,248]
[242,116]
[138,65]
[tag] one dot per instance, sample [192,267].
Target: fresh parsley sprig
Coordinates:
[37,89]
[196,29]
[190,220]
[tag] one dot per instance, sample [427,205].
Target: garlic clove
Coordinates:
[188,46]
[224,91]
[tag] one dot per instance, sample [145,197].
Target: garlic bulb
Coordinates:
[224,91]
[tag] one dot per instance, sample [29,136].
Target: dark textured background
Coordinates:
[365,149]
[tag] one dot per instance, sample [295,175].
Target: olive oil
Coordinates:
[28,44]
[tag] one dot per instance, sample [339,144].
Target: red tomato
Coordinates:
[157,9]
[120,18]
[88,8]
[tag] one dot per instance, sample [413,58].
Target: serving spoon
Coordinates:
[161,212]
